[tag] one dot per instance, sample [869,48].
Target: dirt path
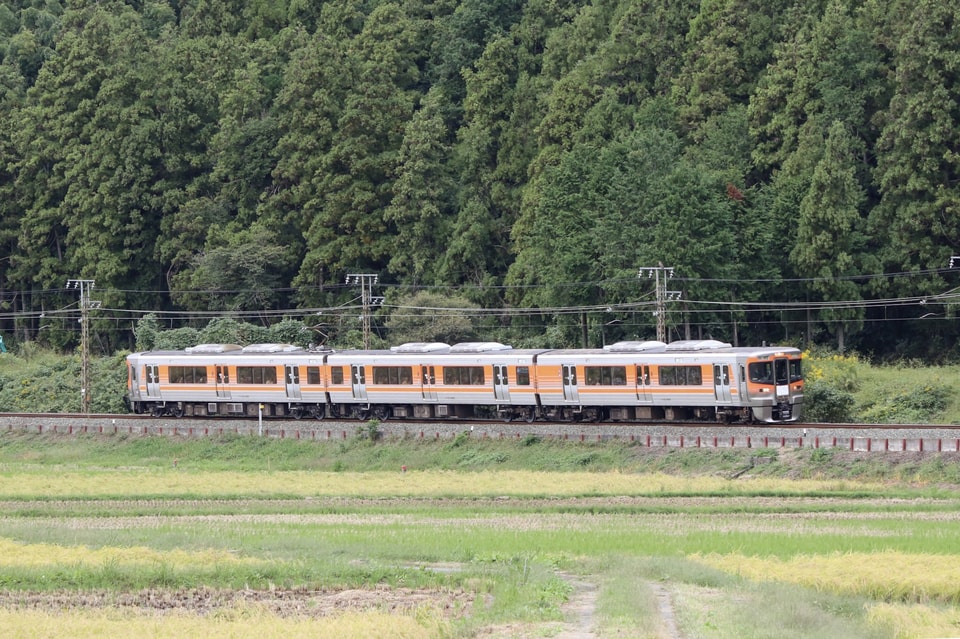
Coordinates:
[668,622]
[581,608]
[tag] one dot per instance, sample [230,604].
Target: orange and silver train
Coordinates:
[703,380]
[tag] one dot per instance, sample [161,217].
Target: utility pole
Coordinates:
[660,274]
[86,304]
[366,282]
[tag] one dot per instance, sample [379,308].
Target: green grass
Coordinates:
[636,534]
[928,474]
[903,392]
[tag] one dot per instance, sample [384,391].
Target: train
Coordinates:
[629,381]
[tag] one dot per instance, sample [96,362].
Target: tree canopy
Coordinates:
[794,162]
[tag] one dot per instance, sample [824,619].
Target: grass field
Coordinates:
[243,537]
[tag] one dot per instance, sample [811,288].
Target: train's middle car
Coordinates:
[627,381]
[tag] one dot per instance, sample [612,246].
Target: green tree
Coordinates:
[200,18]
[355,180]
[830,238]
[492,155]
[226,330]
[918,164]
[11,99]
[83,164]
[146,332]
[309,103]
[460,36]
[237,271]
[430,317]
[730,42]
[421,206]
[605,211]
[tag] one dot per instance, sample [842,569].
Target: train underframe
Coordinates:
[507,413]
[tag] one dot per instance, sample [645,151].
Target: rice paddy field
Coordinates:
[160,537]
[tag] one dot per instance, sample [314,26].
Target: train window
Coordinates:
[256,375]
[695,376]
[761,372]
[606,375]
[392,375]
[592,374]
[681,376]
[187,374]
[336,374]
[523,375]
[463,375]
[313,375]
[796,370]
[668,375]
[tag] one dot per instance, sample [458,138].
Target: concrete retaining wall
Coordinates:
[655,436]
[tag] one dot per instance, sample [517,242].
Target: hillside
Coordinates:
[790,165]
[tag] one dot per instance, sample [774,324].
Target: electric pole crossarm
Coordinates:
[366,282]
[660,274]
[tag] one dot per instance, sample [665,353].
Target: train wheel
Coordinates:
[530,415]
[296,412]
[177,411]
[320,411]
[382,413]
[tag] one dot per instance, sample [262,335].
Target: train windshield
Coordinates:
[761,372]
[779,371]
[796,370]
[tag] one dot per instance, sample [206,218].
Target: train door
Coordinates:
[358,378]
[570,391]
[721,383]
[292,377]
[501,383]
[222,381]
[152,377]
[428,383]
[643,383]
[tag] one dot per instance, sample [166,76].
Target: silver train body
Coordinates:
[625,382]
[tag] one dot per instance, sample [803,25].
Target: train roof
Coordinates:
[485,350]
[678,348]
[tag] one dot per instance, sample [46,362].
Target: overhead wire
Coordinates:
[688,306]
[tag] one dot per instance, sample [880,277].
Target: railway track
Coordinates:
[307,423]
[893,438]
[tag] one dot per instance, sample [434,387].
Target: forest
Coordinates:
[544,173]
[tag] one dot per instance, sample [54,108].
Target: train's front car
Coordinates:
[774,379]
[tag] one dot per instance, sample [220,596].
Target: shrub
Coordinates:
[842,371]
[824,402]
[369,431]
[920,404]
